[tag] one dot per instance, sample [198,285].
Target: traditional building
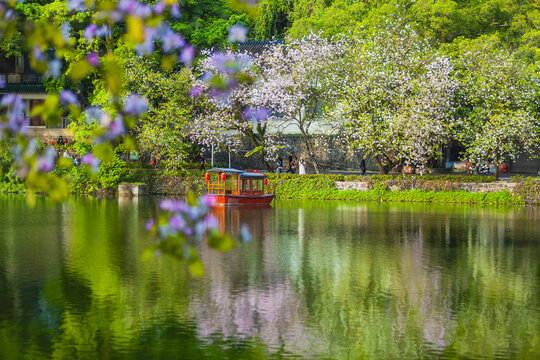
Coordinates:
[20,79]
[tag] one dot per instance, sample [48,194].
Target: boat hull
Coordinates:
[239,200]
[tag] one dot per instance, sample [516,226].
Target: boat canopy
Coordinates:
[225,170]
[243,174]
[252,175]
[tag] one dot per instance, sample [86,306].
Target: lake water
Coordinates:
[332,280]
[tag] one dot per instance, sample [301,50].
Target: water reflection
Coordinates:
[318,280]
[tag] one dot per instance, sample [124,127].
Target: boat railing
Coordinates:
[216,188]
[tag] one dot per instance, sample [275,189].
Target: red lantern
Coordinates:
[222,176]
[255,171]
[207,176]
[265,181]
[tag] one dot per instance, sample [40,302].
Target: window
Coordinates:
[235,182]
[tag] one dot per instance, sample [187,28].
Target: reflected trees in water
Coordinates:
[335,280]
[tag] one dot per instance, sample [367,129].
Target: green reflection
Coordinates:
[318,280]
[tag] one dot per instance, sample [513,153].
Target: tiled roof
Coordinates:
[257,46]
[23,89]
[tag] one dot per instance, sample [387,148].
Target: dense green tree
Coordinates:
[341,16]
[514,23]
[272,19]
[204,23]
[171,108]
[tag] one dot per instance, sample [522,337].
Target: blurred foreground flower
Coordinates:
[237,33]
[183,222]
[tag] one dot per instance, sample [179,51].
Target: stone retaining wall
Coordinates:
[351,185]
[131,190]
[469,187]
[488,187]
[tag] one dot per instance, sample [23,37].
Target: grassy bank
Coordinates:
[7,187]
[434,190]
[428,189]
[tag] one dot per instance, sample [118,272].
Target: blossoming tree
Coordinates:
[233,112]
[500,105]
[297,79]
[394,98]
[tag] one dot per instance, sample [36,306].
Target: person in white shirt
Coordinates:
[302,166]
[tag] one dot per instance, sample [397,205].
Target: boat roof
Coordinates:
[225,170]
[235,171]
[252,175]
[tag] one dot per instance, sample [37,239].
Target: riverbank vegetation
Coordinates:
[381,188]
[452,72]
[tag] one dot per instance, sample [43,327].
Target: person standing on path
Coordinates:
[279,165]
[363,165]
[202,161]
[291,156]
[294,165]
[302,166]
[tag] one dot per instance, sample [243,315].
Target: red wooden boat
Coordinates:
[237,187]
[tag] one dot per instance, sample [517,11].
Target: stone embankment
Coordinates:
[132,190]
[469,187]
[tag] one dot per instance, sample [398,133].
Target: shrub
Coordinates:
[80,181]
[383,178]
[15,188]
[527,189]
[110,173]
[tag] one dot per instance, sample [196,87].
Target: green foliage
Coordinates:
[110,173]
[12,188]
[342,16]
[83,181]
[81,132]
[204,23]
[382,178]
[162,132]
[513,22]
[527,189]
[6,159]
[271,19]
[161,182]
[9,181]
[337,177]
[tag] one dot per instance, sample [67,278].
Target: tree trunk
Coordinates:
[384,169]
[258,140]
[311,155]
[496,166]
[379,165]
[267,165]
